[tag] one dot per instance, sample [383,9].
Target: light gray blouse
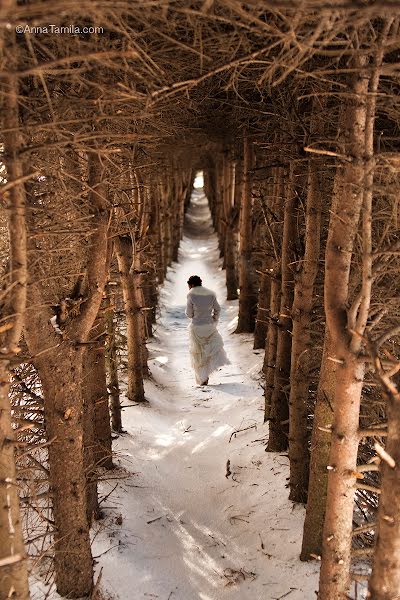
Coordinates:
[202,306]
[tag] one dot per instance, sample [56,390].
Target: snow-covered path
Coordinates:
[180,526]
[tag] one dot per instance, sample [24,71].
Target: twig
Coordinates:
[153,520]
[254,426]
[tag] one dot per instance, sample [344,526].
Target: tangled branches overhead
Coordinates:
[179,73]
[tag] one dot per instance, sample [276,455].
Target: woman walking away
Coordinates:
[206,346]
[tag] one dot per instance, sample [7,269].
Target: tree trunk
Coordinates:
[137,275]
[264,292]
[92,500]
[384,583]
[230,242]
[96,395]
[248,295]
[60,372]
[301,358]
[345,214]
[319,460]
[264,300]
[135,393]
[13,572]
[279,414]
[58,358]
[112,364]
[274,230]
[271,345]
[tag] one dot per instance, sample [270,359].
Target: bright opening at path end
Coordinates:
[199,180]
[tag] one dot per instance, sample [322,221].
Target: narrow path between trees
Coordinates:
[182,525]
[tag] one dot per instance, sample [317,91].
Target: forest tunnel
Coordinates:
[120,120]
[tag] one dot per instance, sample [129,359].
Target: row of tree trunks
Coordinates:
[223,187]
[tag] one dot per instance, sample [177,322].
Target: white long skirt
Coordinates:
[206,351]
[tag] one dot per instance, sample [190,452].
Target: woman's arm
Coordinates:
[216,310]
[189,312]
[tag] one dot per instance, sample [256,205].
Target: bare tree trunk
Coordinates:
[61,376]
[279,414]
[123,246]
[230,242]
[274,230]
[165,222]
[13,569]
[154,258]
[88,418]
[140,302]
[183,182]
[301,332]
[271,345]
[319,460]
[59,361]
[264,300]
[248,295]
[139,243]
[96,394]
[345,214]
[112,363]
[384,583]
[264,292]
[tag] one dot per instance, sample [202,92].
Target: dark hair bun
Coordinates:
[194,281]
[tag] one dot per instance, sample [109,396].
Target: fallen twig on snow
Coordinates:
[254,426]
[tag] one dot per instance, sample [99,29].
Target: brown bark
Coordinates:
[151,289]
[230,241]
[384,583]
[138,278]
[88,416]
[13,572]
[184,182]
[248,294]
[60,372]
[264,291]
[96,395]
[301,358]
[123,246]
[59,361]
[112,364]
[264,299]
[274,232]
[319,459]
[279,413]
[346,208]
[271,345]
[165,228]
[138,271]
